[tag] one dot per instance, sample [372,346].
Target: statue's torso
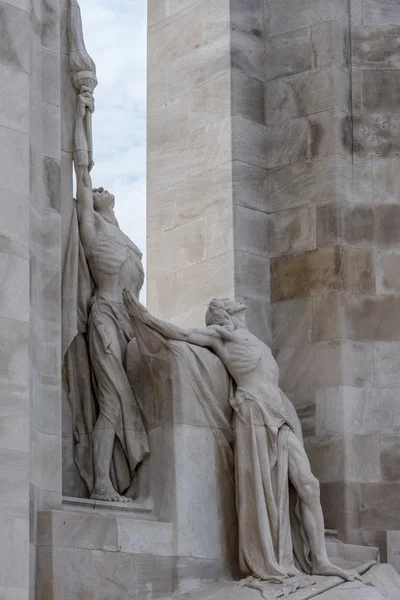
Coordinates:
[114,261]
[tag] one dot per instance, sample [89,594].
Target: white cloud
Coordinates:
[115,36]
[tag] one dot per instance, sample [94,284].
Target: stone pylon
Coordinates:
[273,161]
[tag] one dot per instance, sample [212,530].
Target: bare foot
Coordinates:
[330,570]
[107,494]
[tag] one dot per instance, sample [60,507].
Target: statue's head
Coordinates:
[102,200]
[227,312]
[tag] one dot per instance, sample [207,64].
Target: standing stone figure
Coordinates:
[277,540]
[111,441]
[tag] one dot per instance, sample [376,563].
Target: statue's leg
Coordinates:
[307,488]
[103,444]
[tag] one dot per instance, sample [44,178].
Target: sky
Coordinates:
[115,37]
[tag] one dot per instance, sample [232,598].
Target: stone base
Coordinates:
[381,582]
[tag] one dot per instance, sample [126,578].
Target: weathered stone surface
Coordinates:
[319,271]
[387,224]
[330,133]
[390,458]
[175,35]
[330,45]
[307,93]
[385,579]
[287,142]
[288,56]
[220,233]
[251,231]
[292,231]
[386,181]
[251,275]
[284,15]
[312,182]
[388,272]
[14,36]
[348,224]
[14,98]
[248,53]
[249,141]
[14,158]
[249,186]
[14,563]
[291,322]
[380,88]
[50,30]
[381,12]
[14,281]
[376,47]
[378,506]
[387,364]
[207,103]
[168,122]
[247,97]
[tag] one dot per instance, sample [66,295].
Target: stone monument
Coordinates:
[146,458]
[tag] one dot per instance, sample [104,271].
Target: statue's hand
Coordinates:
[85,102]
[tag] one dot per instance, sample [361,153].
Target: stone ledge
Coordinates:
[134,510]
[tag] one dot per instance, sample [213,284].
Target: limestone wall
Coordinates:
[30,441]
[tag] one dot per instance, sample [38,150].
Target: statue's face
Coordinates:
[234,306]
[102,200]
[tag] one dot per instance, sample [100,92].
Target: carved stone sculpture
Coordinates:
[110,439]
[281,525]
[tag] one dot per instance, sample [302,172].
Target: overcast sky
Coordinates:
[115,36]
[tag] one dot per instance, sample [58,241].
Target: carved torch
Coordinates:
[83,73]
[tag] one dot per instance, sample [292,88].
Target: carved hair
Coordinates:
[217,313]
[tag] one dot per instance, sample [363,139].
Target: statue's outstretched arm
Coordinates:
[136,310]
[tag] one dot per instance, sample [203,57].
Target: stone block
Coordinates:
[248,53]
[14,278]
[45,288]
[14,227]
[258,318]
[291,322]
[251,276]
[219,143]
[174,6]
[386,176]
[247,97]
[177,248]
[210,278]
[288,55]
[249,142]
[45,229]
[145,537]
[167,122]
[45,460]
[249,186]
[46,351]
[381,12]
[285,15]
[379,506]
[325,364]
[307,93]
[375,47]
[340,503]
[157,11]
[51,25]
[387,223]
[388,272]
[387,364]
[14,158]
[14,488]
[390,458]
[51,132]
[157,86]
[216,18]
[330,45]
[14,353]
[287,142]
[393,549]
[73,485]
[14,553]
[163,294]
[330,133]
[320,271]
[45,403]
[172,37]
[14,37]
[201,64]
[14,432]
[14,98]
[50,77]
[176,161]
[208,103]
[312,182]
[363,181]
[385,579]
[248,16]
[66,573]
[219,232]
[65,529]
[380,88]
[347,224]
[250,231]
[292,231]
